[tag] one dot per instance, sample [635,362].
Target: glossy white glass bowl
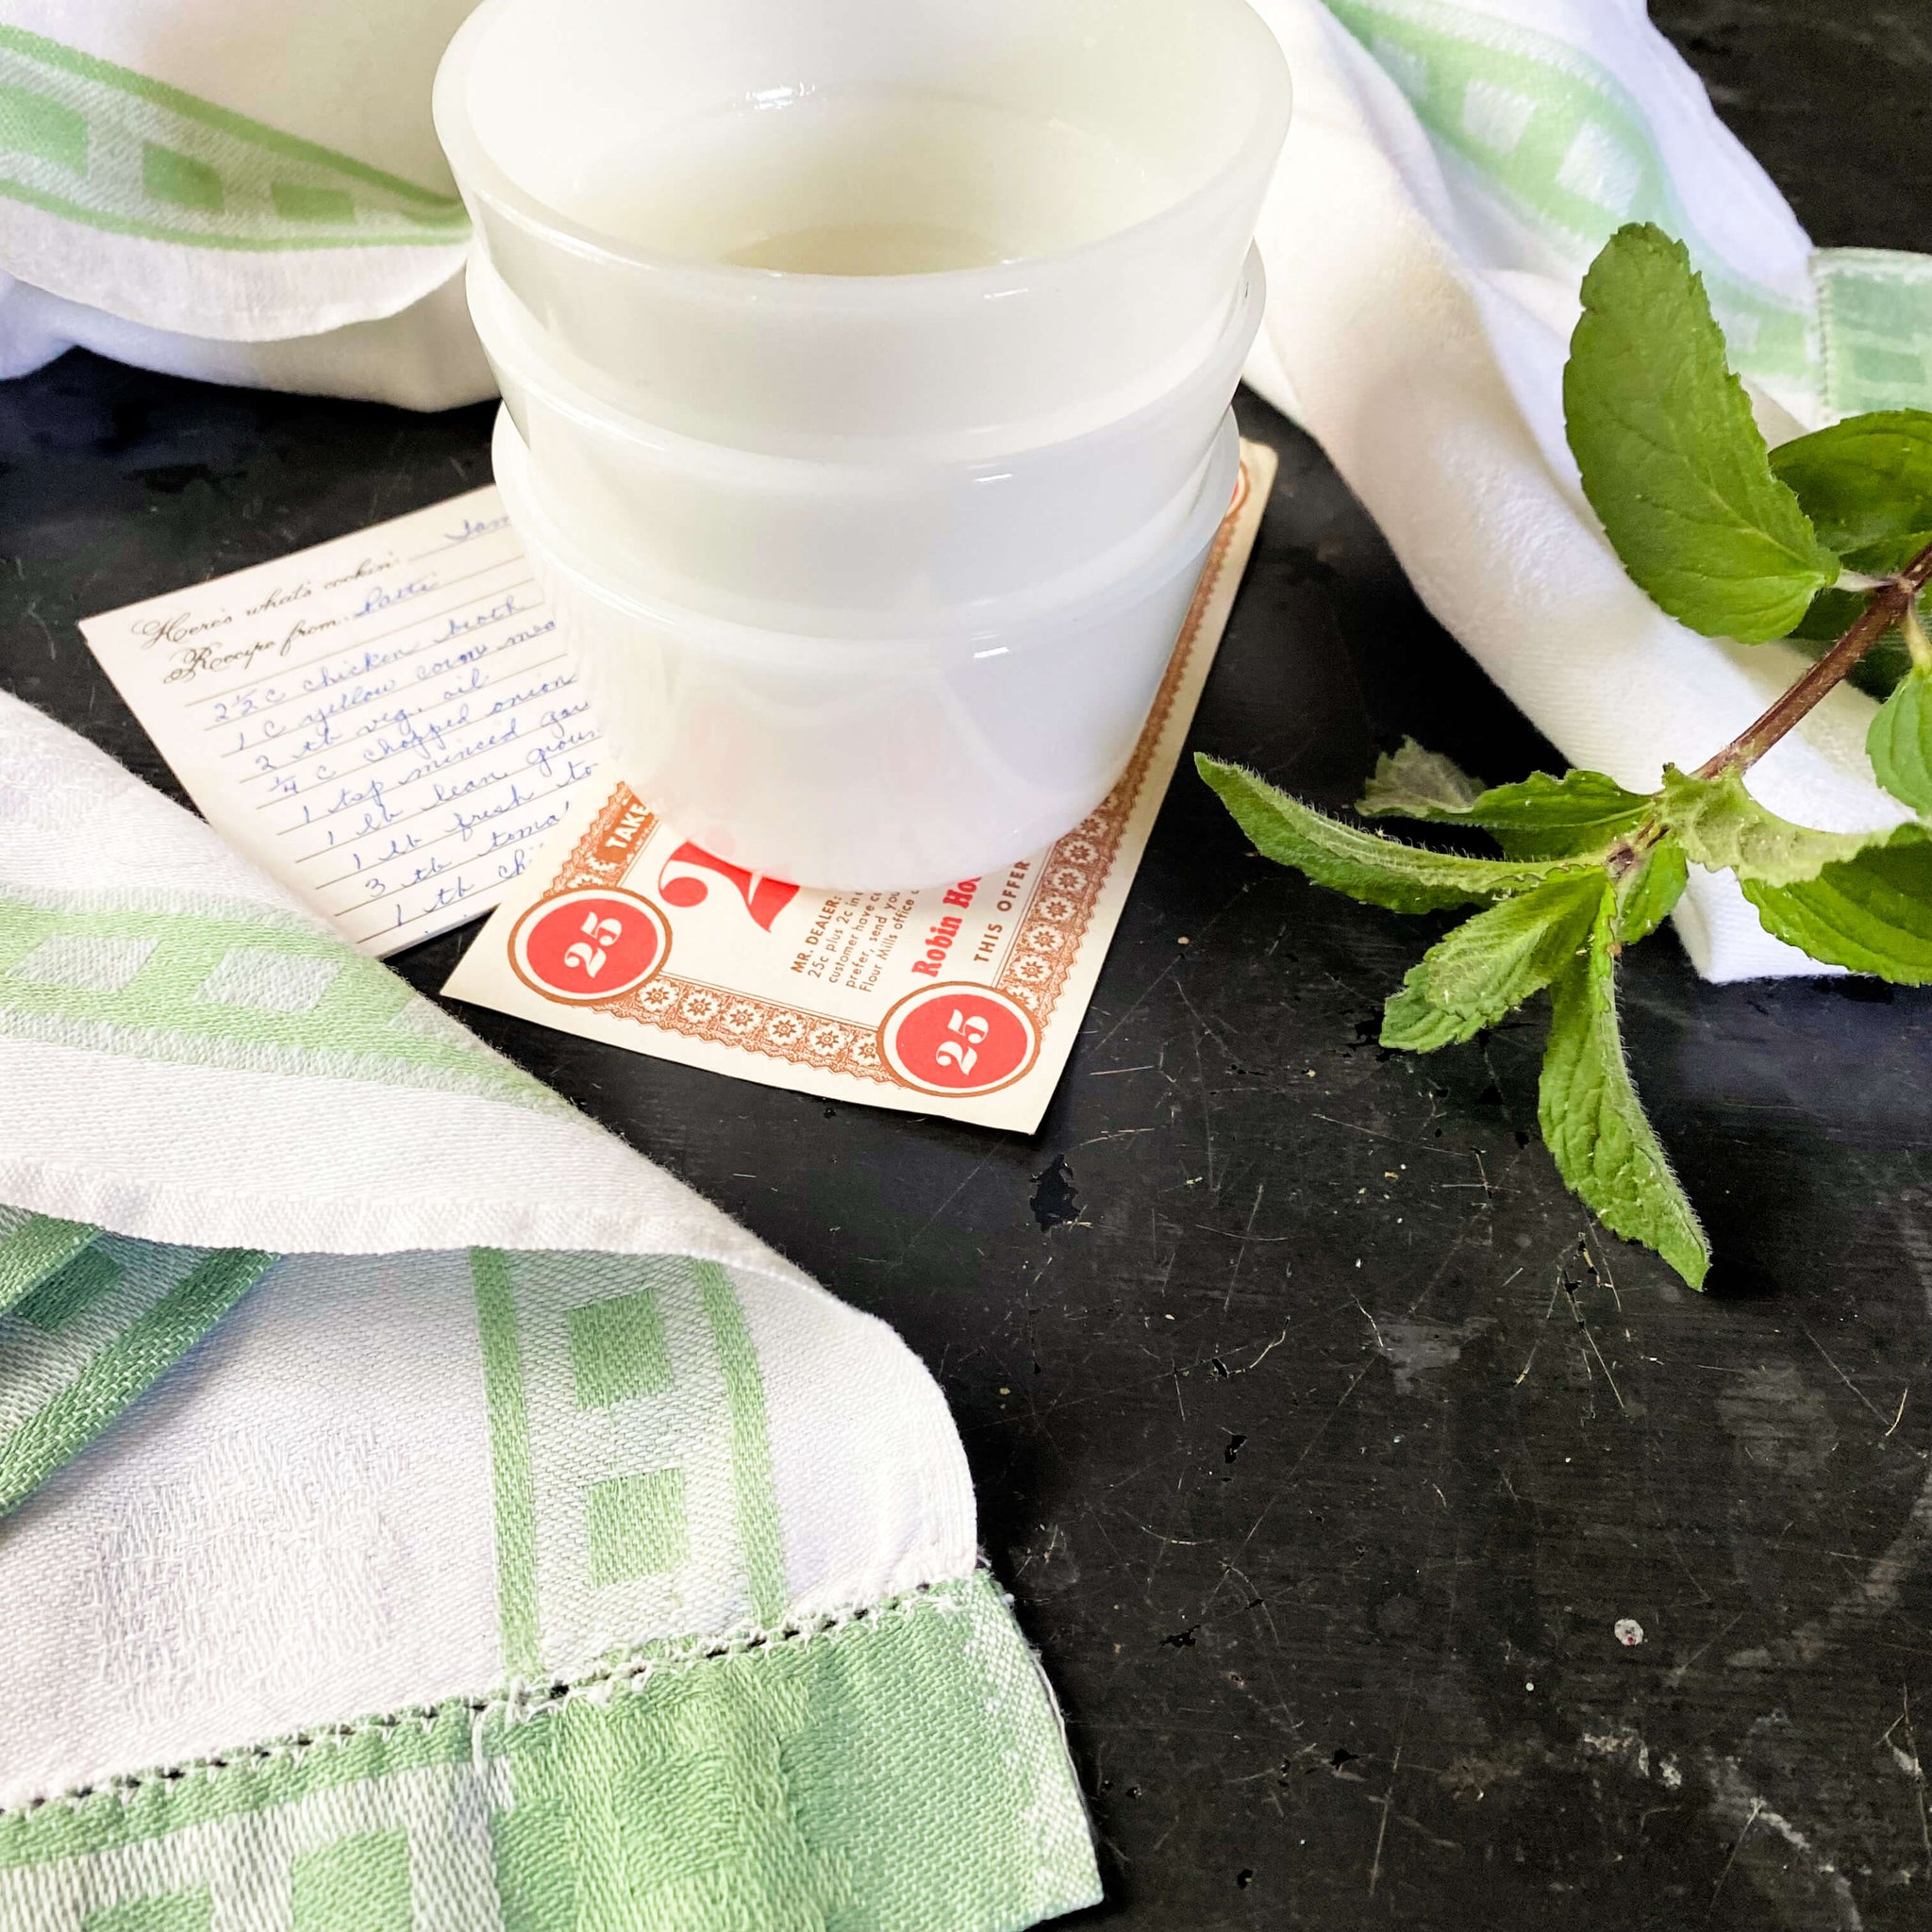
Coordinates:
[889,761]
[1096,165]
[907,528]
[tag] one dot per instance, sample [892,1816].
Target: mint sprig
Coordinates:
[1733,541]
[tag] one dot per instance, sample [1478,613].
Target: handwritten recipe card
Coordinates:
[389,724]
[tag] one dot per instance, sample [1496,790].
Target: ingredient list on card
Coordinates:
[389,724]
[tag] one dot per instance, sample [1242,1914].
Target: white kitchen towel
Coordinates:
[1449,172]
[247,190]
[416,1509]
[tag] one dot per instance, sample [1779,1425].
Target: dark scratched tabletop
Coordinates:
[1324,1458]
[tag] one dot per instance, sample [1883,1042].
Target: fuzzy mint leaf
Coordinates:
[1724,829]
[1539,817]
[1671,458]
[1900,742]
[1594,1126]
[1412,1022]
[1865,484]
[1871,913]
[1365,865]
[1542,817]
[1862,900]
[1491,963]
[1649,892]
[1412,783]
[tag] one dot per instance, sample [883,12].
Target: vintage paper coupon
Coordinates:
[389,724]
[961,1000]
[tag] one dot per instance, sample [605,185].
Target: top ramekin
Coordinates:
[551,109]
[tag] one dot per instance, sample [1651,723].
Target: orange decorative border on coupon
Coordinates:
[1041,955]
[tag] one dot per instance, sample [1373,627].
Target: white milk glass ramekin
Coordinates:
[878,763]
[1096,165]
[914,532]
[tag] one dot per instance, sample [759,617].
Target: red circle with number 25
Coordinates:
[959,1039]
[590,946]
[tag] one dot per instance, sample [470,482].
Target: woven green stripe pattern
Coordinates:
[631,1459]
[33,1246]
[509,1456]
[1874,307]
[221,988]
[115,150]
[900,1767]
[96,1332]
[751,1450]
[1564,144]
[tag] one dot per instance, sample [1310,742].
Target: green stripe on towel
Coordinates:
[33,1246]
[217,988]
[92,1338]
[899,1764]
[118,151]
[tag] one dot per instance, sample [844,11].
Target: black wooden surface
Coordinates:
[1323,1450]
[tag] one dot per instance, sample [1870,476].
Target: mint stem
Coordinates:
[1892,602]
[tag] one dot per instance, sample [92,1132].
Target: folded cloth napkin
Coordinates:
[245,191]
[1450,171]
[529,1548]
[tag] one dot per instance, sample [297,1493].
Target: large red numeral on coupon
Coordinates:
[589,945]
[764,898]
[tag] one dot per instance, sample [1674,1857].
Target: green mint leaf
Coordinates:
[1671,458]
[1900,742]
[1855,899]
[1417,784]
[1871,913]
[1647,894]
[1365,865]
[1491,963]
[1594,1126]
[1865,484]
[1539,817]
[1412,1022]
[1724,829]
[1542,816]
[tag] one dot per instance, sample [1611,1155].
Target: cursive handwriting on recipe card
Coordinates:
[389,722]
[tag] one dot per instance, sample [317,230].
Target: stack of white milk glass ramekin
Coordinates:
[866,368]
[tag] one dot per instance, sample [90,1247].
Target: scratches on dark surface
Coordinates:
[939,1214]
[1591,1341]
[1241,1253]
[1737,1846]
[1878,1414]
